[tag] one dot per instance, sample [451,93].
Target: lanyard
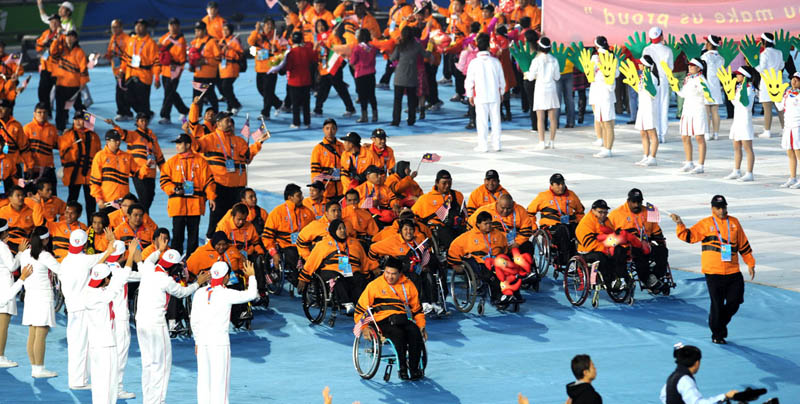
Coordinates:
[291,222]
[314,206]
[487,238]
[140,47]
[639,228]
[222,146]
[513,224]
[719,236]
[413,249]
[558,206]
[405,297]
[189,168]
[346,249]
[244,239]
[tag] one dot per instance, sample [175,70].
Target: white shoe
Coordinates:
[496,148]
[438,308]
[7,363]
[698,169]
[42,373]
[479,149]
[707,136]
[748,177]
[603,153]
[540,146]
[650,162]
[293,126]
[308,126]
[125,395]
[549,145]
[765,135]
[789,183]
[426,308]
[597,142]
[164,121]
[795,186]
[349,308]
[715,137]
[641,162]
[234,111]
[687,166]
[85,387]
[182,118]
[277,113]
[733,175]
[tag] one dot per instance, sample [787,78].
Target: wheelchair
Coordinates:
[58,295]
[581,278]
[276,277]
[544,255]
[370,348]
[318,297]
[241,314]
[467,288]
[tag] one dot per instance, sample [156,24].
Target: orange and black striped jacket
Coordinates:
[8,167]
[389,231]
[118,48]
[551,206]
[50,210]
[384,300]
[314,233]
[326,253]
[396,246]
[197,129]
[382,197]
[126,233]
[229,65]
[285,219]
[482,197]
[46,61]
[42,139]
[95,242]
[317,207]
[110,174]
[72,68]
[117,217]
[149,65]
[635,224]
[77,150]
[214,26]
[141,144]
[184,167]
[587,231]
[326,158]
[256,215]
[59,234]
[426,206]
[266,45]
[403,187]
[477,245]
[355,165]
[244,239]
[705,231]
[361,221]
[205,256]
[518,222]
[217,147]
[17,142]
[177,51]
[20,222]
[209,51]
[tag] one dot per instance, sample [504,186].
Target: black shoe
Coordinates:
[403,373]
[417,374]
[631,122]
[569,126]
[466,114]
[470,125]
[363,119]
[720,341]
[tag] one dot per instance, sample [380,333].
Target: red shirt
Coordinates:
[298,65]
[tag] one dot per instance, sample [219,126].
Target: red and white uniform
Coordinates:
[790,104]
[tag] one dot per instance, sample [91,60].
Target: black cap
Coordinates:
[174,20]
[718,201]
[183,138]
[113,135]
[212,4]
[443,174]
[599,204]
[492,175]
[557,178]
[351,137]
[488,6]
[317,185]
[79,115]
[142,115]
[635,195]
[72,32]
[54,17]
[199,25]
[141,21]
[218,236]
[222,115]
[372,169]
[379,133]
[6,103]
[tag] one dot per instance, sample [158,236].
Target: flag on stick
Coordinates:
[653,215]
[246,127]
[88,120]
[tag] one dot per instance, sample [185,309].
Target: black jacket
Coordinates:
[583,393]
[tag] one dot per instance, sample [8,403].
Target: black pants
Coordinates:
[447,65]
[185,225]
[459,79]
[486,276]
[145,190]
[226,89]
[301,100]
[46,84]
[561,236]
[289,259]
[726,293]
[62,95]
[658,255]
[333,80]
[406,337]
[398,104]
[91,205]
[348,288]
[365,88]
[266,87]
[172,98]
[139,96]
[610,267]
[121,98]
[527,89]
[433,86]
[210,96]
[387,73]
[226,198]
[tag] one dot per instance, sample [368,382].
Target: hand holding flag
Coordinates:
[92,61]
[428,158]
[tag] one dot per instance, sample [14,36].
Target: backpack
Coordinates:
[164,57]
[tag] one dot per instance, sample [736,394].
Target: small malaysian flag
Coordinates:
[431,158]
[246,127]
[199,86]
[365,319]
[368,203]
[653,215]
[425,253]
[89,119]
[441,213]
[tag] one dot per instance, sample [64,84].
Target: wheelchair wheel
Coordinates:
[576,280]
[367,352]
[463,288]
[58,296]
[274,275]
[315,299]
[541,251]
[624,292]
[134,303]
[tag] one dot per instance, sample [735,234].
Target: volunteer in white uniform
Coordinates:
[694,120]
[39,313]
[770,58]
[74,276]
[546,71]
[602,99]
[742,126]
[122,325]
[713,62]
[151,324]
[211,313]
[790,141]
[8,301]
[98,297]
[660,53]
[484,85]
[647,113]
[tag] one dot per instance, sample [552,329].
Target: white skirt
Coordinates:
[741,132]
[694,121]
[545,98]
[9,307]
[790,139]
[647,114]
[39,310]
[604,112]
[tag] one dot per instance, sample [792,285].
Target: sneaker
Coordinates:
[479,149]
[438,308]
[125,395]
[650,162]
[348,114]
[765,135]
[540,146]
[603,153]
[293,126]
[715,136]
[264,117]
[641,162]
[505,299]
[720,341]
[234,111]
[7,363]
[426,308]
[455,98]
[316,114]
[687,166]
[748,177]
[597,142]
[698,169]
[383,86]
[733,175]
[164,121]
[349,308]
[795,186]
[42,373]
[445,82]
[549,145]
[277,112]
[435,107]
[84,387]
[789,183]
[652,281]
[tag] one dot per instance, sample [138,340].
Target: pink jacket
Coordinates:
[363,59]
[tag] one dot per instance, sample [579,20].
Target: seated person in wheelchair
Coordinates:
[393,302]
[592,230]
[358,219]
[559,211]
[342,257]
[413,250]
[242,235]
[282,228]
[255,214]
[511,219]
[475,245]
[631,216]
[161,240]
[487,193]
[377,198]
[405,214]
[218,248]
[318,229]
[442,209]
[402,184]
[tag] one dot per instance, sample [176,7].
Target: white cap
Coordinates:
[654,32]
[78,238]
[796,74]
[119,248]
[99,272]
[741,70]
[219,270]
[696,62]
[68,5]
[170,258]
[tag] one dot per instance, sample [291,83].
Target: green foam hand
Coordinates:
[689,46]
[706,91]
[783,43]
[574,54]
[649,83]
[636,44]
[522,55]
[728,50]
[743,98]
[672,43]
[750,49]
[559,51]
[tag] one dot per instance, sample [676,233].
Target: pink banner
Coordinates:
[582,20]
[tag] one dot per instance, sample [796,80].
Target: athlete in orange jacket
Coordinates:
[241,233]
[46,206]
[355,160]
[232,52]
[120,216]
[136,227]
[138,72]
[216,249]
[316,199]
[8,174]
[14,135]
[326,159]
[111,168]
[47,63]
[315,231]
[72,75]
[358,219]
[143,147]
[43,139]
[117,54]
[267,43]
[172,57]
[204,57]
[406,190]
[487,193]
[60,230]
[442,207]
[283,226]
[196,129]
[77,147]
[19,217]
[214,22]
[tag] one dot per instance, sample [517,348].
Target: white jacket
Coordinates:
[714,61]
[39,281]
[211,312]
[790,104]
[770,58]
[8,264]
[660,52]
[692,92]
[74,277]
[545,70]
[153,290]
[485,80]
[98,310]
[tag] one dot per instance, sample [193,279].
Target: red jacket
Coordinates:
[299,62]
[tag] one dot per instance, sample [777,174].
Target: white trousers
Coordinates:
[122,335]
[156,351]
[662,108]
[485,112]
[104,373]
[213,374]
[77,349]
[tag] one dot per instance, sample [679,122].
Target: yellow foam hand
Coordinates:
[673,82]
[775,85]
[706,91]
[608,66]
[587,64]
[728,83]
[628,70]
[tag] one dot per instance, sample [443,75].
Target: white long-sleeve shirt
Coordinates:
[660,52]
[713,62]
[687,388]
[74,277]
[545,70]
[770,58]
[692,92]
[790,105]
[98,309]
[39,280]
[485,80]
[153,290]
[8,264]
[211,312]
